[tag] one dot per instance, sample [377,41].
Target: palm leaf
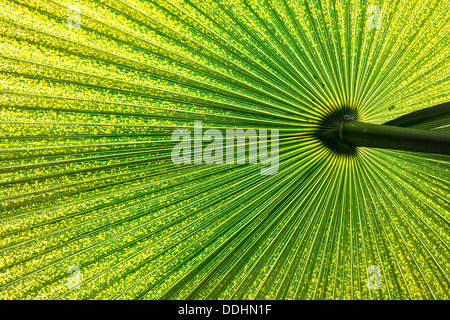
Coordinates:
[90,93]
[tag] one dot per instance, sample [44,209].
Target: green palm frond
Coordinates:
[91,92]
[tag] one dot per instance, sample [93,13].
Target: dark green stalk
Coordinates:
[427,118]
[360,134]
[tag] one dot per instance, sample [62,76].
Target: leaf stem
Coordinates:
[359,134]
